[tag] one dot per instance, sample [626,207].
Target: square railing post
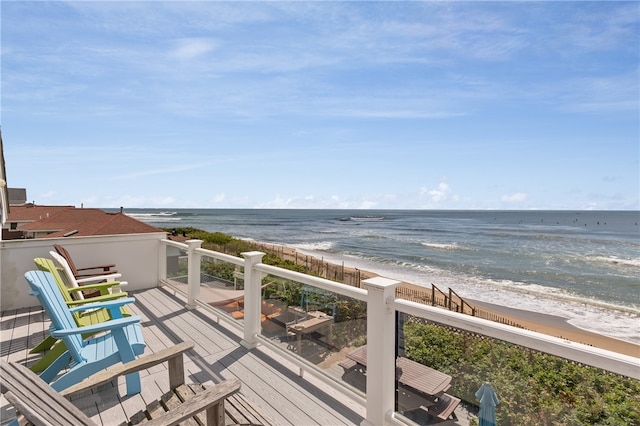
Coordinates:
[252,299]
[381,354]
[162,262]
[193,271]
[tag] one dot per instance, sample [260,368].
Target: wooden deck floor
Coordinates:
[269,382]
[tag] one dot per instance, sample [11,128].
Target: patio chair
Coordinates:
[83,282]
[84,272]
[40,404]
[121,341]
[70,288]
[82,318]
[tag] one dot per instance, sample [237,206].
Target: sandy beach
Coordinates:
[548,324]
[559,327]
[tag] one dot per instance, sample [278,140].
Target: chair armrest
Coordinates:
[108,277]
[106,304]
[105,268]
[107,375]
[104,297]
[201,401]
[94,286]
[95,328]
[94,274]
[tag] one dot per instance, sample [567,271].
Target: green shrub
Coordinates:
[534,388]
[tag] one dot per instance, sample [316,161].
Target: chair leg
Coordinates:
[127,354]
[55,367]
[48,358]
[134,386]
[215,415]
[44,345]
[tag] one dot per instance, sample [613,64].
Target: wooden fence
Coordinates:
[354,276]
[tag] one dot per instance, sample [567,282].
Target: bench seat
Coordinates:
[445,407]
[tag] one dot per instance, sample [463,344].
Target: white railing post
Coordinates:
[252,299]
[381,354]
[162,262]
[193,271]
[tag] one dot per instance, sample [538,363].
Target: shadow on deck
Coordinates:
[270,384]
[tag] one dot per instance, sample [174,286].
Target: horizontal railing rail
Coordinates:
[220,256]
[578,352]
[175,244]
[322,283]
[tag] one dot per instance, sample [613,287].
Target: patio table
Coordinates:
[422,379]
[316,320]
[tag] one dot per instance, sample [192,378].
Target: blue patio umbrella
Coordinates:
[488,401]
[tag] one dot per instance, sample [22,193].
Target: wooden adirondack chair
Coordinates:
[41,405]
[69,286]
[84,272]
[82,318]
[77,282]
[121,342]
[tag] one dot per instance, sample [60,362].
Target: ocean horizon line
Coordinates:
[373,209]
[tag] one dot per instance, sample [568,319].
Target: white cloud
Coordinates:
[278,203]
[190,48]
[368,204]
[517,197]
[439,194]
[218,198]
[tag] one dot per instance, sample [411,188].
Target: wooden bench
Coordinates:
[445,407]
[39,403]
[348,365]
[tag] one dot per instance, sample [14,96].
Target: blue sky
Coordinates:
[407,105]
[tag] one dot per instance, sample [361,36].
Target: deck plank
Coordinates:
[36,332]
[270,384]
[17,349]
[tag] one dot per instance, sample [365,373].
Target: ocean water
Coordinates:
[580,265]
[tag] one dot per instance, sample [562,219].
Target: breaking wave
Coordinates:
[156,217]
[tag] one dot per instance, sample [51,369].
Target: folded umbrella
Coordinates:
[488,401]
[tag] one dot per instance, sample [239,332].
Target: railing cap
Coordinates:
[380,282]
[253,255]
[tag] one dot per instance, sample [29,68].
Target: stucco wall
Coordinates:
[136,258]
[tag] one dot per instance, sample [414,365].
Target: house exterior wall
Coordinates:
[136,257]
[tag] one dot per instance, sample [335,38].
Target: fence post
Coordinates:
[381,354]
[252,299]
[193,271]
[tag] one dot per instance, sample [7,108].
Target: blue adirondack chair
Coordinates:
[88,317]
[122,341]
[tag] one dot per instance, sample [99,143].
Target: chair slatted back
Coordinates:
[67,272]
[64,253]
[44,287]
[61,279]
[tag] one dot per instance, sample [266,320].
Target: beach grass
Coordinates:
[534,387]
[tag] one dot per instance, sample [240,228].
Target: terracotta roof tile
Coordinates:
[88,222]
[30,212]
